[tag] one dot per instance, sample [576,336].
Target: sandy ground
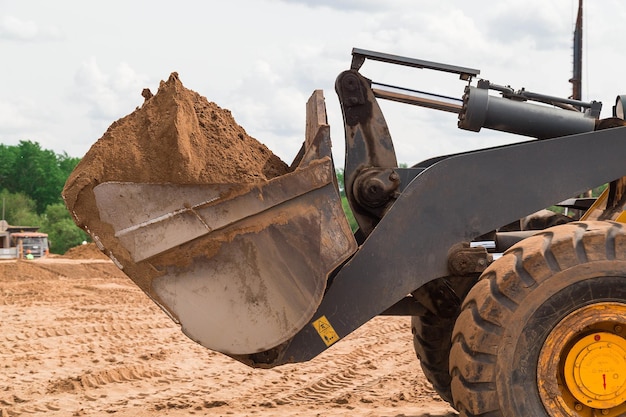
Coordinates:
[77,338]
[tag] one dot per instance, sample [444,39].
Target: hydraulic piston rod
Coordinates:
[516,115]
[417,98]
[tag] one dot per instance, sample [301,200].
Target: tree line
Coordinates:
[31,181]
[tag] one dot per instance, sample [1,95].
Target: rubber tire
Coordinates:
[520,298]
[441,300]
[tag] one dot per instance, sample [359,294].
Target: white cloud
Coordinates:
[14,28]
[24,119]
[107,96]
[13,115]
[539,24]
[274,113]
[262,59]
[348,5]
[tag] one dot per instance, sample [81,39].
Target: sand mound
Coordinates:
[177,136]
[87,251]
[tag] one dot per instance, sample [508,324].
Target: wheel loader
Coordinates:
[516,311]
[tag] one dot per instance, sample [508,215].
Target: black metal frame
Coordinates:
[409,247]
[429,210]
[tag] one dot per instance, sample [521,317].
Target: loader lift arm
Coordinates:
[371,179]
[415,251]
[411,219]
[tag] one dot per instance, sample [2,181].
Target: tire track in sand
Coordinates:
[93,344]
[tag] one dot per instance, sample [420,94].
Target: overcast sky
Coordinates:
[70,68]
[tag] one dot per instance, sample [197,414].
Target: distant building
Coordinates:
[22,242]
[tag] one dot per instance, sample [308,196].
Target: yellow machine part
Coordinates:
[598,208]
[595,370]
[582,365]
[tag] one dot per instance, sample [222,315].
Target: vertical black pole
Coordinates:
[578,55]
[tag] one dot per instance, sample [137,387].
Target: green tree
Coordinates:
[349,215]
[38,173]
[339,172]
[67,164]
[8,158]
[18,209]
[63,234]
[31,180]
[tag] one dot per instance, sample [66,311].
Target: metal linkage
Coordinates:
[360,55]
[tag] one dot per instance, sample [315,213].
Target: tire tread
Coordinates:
[503,287]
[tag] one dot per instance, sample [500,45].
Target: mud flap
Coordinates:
[242,267]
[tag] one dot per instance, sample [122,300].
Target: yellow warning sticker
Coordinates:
[325,330]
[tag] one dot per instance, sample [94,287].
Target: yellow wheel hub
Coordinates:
[581,369]
[595,370]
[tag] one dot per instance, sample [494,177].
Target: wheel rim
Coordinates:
[582,364]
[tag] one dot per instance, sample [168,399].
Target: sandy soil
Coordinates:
[78,338]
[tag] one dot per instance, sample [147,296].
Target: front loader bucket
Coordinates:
[242,267]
